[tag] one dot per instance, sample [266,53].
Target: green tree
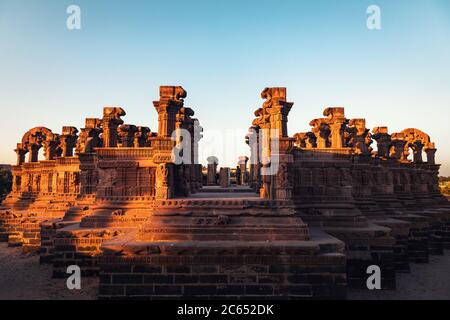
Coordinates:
[445,188]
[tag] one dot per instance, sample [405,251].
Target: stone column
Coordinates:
[110,122]
[251,140]
[397,146]
[164,185]
[418,149]
[21,152]
[68,141]
[321,131]
[140,137]
[359,137]
[383,139]
[337,122]
[277,185]
[212,169]
[431,153]
[169,104]
[243,166]
[126,134]
[50,147]
[224,177]
[33,152]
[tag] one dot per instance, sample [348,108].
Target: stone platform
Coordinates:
[271,269]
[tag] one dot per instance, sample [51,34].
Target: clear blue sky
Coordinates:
[224,53]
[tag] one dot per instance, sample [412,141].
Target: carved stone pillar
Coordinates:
[50,147]
[243,166]
[90,136]
[417,147]
[359,137]
[141,137]
[164,183]
[33,152]
[337,122]
[276,182]
[126,134]
[68,141]
[431,153]
[321,131]
[212,169]
[224,177]
[398,146]
[168,106]
[383,139]
[110,122]
[21,152]
[251,139]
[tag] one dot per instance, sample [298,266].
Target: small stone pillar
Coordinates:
[359,135]
[398,146]
[243,166]
[110,122]
[321,131]
[224,177]
[251,139]
[418,149]
[164,183]
[169,104]
[126,134]
[140,137]
[20,151]
[50,148]
[431,153]
[337,122]
[212,170]
[68,141]
[33,152]
[383,139]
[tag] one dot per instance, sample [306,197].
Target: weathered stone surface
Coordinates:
[309,214]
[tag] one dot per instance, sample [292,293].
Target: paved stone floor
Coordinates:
[425,282]
[21,277]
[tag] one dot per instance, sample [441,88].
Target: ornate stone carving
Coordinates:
[359,137]
[110,122]
[383,139]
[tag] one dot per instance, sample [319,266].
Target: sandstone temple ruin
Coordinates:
[306,215]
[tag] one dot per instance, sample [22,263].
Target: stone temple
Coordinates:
[305,216]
